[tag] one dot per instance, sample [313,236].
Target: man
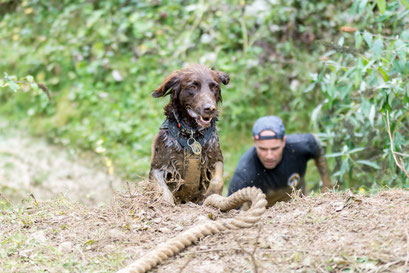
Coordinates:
[277,163]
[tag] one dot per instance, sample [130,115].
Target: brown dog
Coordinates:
[187,162]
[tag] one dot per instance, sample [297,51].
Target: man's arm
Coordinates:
[238,182]
[322,167]
[321,164]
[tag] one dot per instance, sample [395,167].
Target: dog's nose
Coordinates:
[209,108]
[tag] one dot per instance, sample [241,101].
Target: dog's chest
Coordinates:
[187,174]
[174,154]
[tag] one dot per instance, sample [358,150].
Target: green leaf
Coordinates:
[358,39]
[405,35]
[362,6]
[391,98]
[405,3]
[406,98]
[378,47]
[368,38]
[365,107]
[341,41]
[14,86]
[399,140]
[383,73]
[401,48]
[34,86]
[309,88]
[356,150]
[30,78]
[368,163]
[94,17]
[381,5]
[385,105]
[344,167]
[372,115]
[315,113]
[334,155]
[358,78]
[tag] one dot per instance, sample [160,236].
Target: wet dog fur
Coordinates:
[194,97]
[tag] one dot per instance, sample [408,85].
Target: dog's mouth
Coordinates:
[203,121]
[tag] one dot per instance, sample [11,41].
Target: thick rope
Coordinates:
[243,220]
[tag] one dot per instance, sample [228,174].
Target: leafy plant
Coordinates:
[102,59]
[365,111]
[27,83]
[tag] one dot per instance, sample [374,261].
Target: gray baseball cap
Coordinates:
[272,123]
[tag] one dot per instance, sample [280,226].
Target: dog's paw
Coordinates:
[215,186]
[168,197]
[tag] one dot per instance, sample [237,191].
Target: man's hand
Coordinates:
[322,167]
[321,164]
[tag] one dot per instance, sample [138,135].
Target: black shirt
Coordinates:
[299,148]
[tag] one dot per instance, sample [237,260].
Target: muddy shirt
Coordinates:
[299,148]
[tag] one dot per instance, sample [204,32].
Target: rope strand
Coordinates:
[244,220]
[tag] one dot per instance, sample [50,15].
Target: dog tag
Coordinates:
[195,146]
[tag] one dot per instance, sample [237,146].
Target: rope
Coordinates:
[243,220]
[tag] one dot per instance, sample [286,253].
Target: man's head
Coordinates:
[269,140]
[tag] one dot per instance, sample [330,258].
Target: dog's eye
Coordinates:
[194,86]
[214,87]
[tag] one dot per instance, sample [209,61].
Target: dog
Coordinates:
[186,162]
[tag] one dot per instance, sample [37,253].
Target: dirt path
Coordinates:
[31,165]
[333,232]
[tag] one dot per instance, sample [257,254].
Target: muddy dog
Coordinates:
[187,162]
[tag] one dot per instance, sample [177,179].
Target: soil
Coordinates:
[30,165]
[331,232]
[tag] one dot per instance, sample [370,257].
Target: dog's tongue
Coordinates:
[192,113]
[199,119]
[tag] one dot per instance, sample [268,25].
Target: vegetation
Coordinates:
[365,111]
[337,68]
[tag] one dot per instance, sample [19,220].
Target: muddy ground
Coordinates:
[332,232]
[30,165]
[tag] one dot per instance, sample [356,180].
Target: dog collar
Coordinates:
[190,139]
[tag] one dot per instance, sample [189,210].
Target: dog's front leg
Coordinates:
[216,183]
[167,195]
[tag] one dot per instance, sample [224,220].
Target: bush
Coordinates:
[364,115]
[102,59]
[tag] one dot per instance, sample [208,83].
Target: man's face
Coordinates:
[269,151]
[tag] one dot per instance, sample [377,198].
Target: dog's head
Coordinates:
[194,93]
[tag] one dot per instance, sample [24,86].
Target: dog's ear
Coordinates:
[169,85]
[223,77]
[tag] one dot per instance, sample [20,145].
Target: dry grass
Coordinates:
[332,232]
